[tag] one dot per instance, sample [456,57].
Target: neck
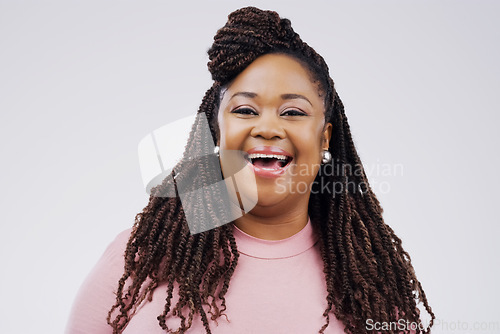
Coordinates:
[274,226]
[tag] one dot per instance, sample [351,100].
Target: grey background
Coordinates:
[83,82]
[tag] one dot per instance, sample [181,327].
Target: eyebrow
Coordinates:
[289,96]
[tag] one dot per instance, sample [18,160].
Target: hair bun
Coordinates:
[248,33]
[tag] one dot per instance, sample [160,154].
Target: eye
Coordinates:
[293,112]
[244,111]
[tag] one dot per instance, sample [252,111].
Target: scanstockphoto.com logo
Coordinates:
[379,174]
[401,325]
[440,325]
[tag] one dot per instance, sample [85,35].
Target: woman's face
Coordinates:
[274,115]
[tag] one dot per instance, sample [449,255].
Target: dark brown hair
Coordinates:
[368,273]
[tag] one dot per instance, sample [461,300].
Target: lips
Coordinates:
[268,161]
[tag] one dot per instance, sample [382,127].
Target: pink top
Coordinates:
[278,287]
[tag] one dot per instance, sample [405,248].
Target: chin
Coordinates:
[270,198]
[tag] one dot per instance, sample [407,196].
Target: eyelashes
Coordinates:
[293,112]
[244,111]
[288,112]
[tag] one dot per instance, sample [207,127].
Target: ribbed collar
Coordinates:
[275,249]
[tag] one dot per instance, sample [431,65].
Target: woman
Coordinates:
[312,255]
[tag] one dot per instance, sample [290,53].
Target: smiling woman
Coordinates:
[312,255]
[275,113]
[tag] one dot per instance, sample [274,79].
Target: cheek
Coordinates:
[309,148]
[308,142]
[232,134]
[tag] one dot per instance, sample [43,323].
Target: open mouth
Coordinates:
[269,161]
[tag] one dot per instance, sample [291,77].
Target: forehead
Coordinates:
[276,73]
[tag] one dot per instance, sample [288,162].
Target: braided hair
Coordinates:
[368,273]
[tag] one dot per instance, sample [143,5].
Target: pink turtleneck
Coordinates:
[278,287]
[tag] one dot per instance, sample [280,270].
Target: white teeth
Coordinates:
[269,156]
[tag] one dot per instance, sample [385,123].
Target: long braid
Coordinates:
[161,248]
[368,274]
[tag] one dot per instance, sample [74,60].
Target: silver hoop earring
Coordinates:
[327,157]
[216,150]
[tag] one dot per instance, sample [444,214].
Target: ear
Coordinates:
[214,124]
[327,134]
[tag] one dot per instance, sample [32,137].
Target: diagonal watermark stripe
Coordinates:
[208,200]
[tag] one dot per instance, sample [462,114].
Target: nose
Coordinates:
[268,126]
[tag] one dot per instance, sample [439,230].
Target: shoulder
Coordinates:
[96,295]
[119,244]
